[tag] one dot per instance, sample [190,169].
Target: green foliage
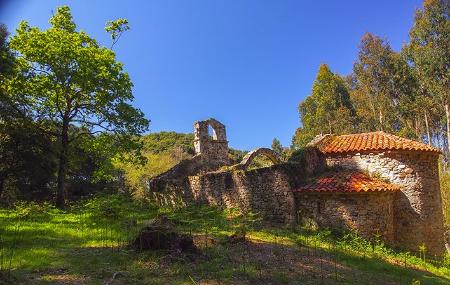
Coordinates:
[327,110]
[283,153]
[117,28]
[89,240]
[27,161]
[403,93]
[167,141]
[300,155]
[236,155]
[6,56]
[429,48]
[384,88]
[445,190]
[259,162]
[162,151]
[277,147]
[63,77]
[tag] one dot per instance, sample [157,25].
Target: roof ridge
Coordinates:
[369,141]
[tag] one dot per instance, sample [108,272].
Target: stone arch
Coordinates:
[267,152]
[202,133]
[218,129]
[214,147]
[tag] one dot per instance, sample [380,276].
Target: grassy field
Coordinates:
[88,245]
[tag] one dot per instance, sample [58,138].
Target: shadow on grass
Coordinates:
[67,247]
[252,262]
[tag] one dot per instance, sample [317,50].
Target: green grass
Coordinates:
[87,245]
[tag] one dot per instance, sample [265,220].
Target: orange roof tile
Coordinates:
[346,181]
[375,141]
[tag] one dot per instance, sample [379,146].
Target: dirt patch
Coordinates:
[237,237]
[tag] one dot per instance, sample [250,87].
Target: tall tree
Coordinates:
[383,86]
[429,53]
[6,57]
[277,147]
[64,77]
[327,110]
[26,160]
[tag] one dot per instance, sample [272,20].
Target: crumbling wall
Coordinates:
[211,154]
[418,212]
[213,148]
[370,214]
[266,191]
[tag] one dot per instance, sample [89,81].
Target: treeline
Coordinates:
[405,93]
[65,112]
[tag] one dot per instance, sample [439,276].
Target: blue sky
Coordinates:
[246,63]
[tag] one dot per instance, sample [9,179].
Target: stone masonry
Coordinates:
[266,191]
[418,213]
[370,214]
[405,210]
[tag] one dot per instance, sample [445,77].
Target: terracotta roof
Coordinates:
[347,181]
[375,141]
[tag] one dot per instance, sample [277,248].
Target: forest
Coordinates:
[404,93]
[76,157]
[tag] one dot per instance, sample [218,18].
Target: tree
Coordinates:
[277,147]
[163,150]
[63,78]
[429,54]
[384,87]
[6,57]
[327,110]
[26,158]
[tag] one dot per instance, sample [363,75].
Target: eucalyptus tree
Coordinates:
[327,110]
[429,54]
[65,78]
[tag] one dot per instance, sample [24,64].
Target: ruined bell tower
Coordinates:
[213,148]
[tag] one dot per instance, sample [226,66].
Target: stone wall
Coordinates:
[370,214]
[211,153]
[266,191]
[213,148]
[418,216]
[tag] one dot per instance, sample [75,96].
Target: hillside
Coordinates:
[162,151]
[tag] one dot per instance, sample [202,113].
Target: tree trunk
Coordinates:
[447,112]
[62,167]
[3,177]
[381,121]
[427,127]
[416,126]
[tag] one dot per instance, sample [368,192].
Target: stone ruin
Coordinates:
[377,184]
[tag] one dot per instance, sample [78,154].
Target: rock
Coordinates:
[161,234]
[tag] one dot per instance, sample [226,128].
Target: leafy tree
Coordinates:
[429,53]
[27,162]
[116,29]
[6,56]
[384,87]
[26,157]
[63,78]
[162,151]
[164,141]
[327,110]
[236,155]
[277,147]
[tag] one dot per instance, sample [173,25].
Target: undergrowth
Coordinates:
[89,244]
